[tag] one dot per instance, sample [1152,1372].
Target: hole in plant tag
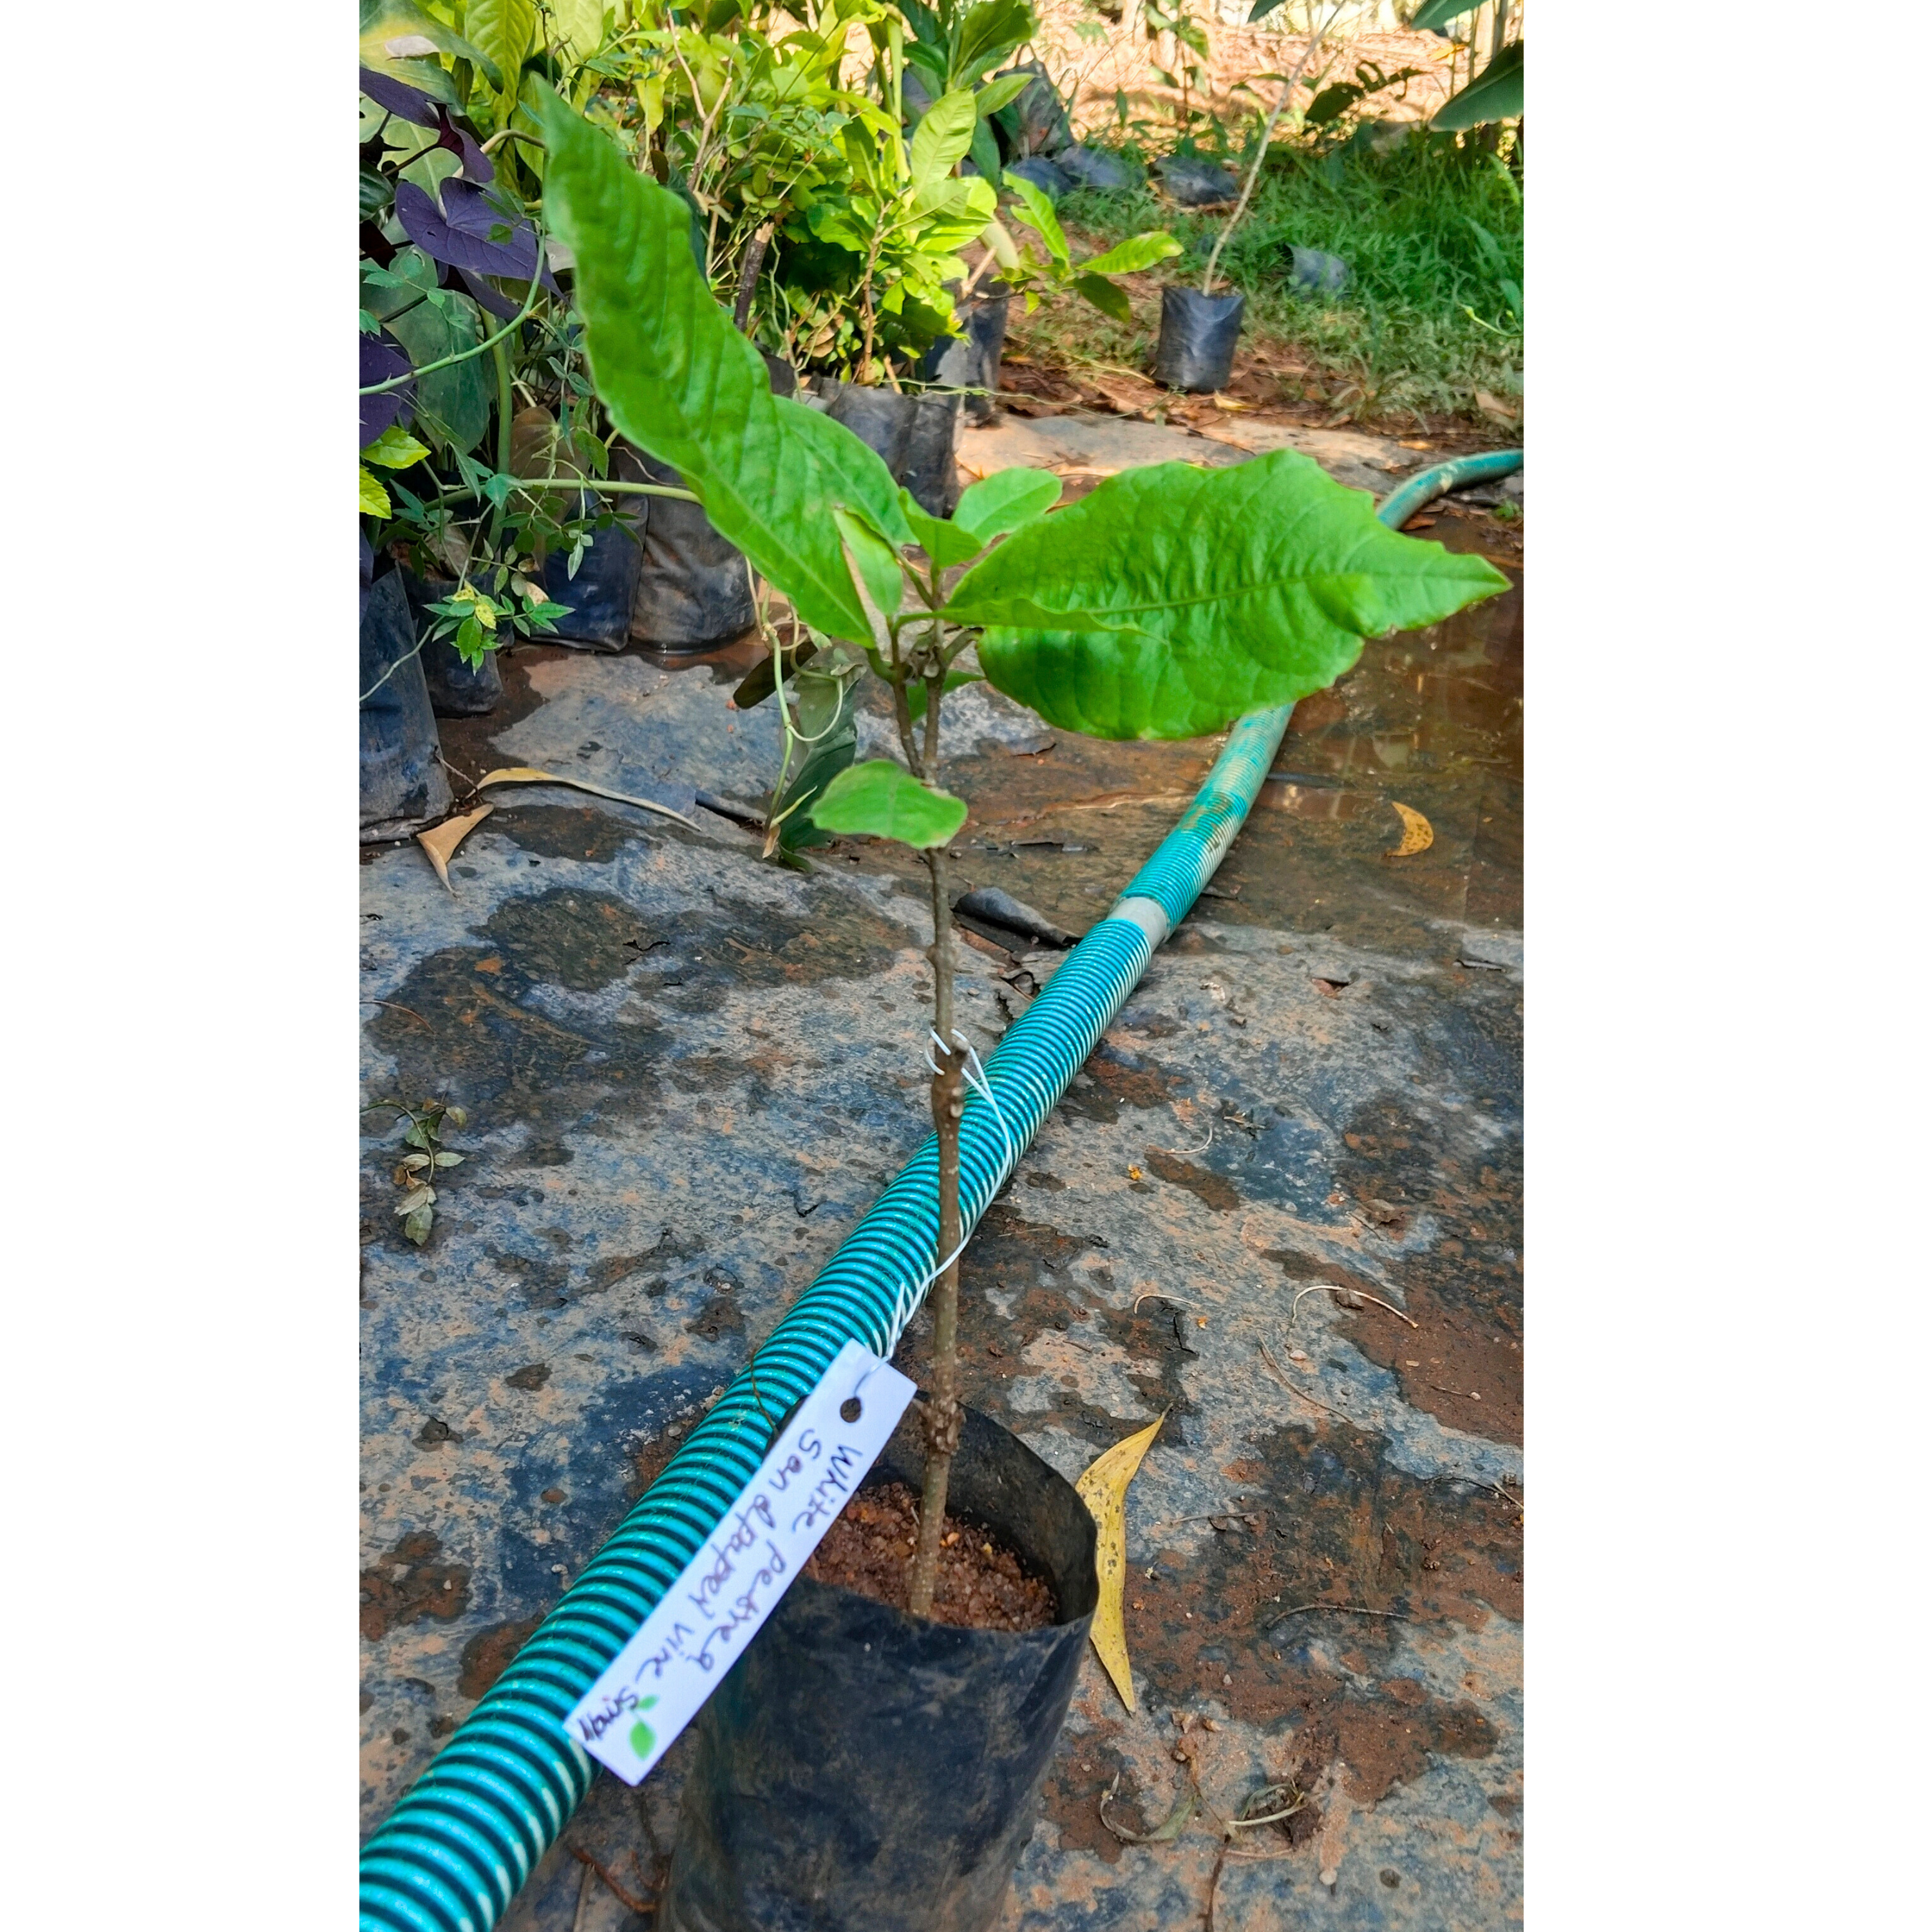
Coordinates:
[850,1410]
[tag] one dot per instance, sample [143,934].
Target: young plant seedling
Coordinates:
[1168,604]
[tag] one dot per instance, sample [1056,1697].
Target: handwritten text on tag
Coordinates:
[658,1681]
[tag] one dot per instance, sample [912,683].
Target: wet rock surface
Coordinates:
[1281,1203]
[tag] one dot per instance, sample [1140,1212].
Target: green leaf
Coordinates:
[1434,13]
[985,153]
[449,1160]
[821,697]
[1005,501]
[581,24]
[991,31]
[504,32]
[996,94]
[383,21]
[915,693]
[947,544]
[1136,253]
[944,134]
[395,448]
[1232,590]
[680,382]
[885,801]
[417,1226]
[452,404]
[373,500]
[1494,95]
[1108,297]
[873,567]
[832,753]
[1039,215]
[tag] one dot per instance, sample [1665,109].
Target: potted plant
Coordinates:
[1165,605]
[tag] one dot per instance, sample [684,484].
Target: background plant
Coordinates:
[1166,604]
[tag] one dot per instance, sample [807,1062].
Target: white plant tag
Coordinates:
[656,1684]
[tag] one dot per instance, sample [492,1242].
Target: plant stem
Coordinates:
[943,1413]
[1261,151]
[501,357]
[748,275]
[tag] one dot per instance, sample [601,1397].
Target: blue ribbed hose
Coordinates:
[455,1851]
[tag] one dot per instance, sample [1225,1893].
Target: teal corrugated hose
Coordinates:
[454,1851]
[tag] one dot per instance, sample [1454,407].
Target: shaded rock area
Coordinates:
[1281,1204]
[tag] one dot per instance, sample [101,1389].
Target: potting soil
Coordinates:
[981,1585]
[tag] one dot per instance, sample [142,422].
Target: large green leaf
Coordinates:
[1233,589]
[452,403]
[505,31]
[384,21]
[944,134]
[1494,95]
[680,382]
[883,800]
[1136,253]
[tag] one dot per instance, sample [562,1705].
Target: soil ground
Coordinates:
[1280,1205]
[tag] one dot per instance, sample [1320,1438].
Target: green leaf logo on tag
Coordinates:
[642,1737]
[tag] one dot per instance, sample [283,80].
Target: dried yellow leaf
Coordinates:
[1418,834]
[440,841]
[529,775]
[1103,1489]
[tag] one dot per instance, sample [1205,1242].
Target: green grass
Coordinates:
[1407,222]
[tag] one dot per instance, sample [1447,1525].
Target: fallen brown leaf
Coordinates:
[440,841]
[1418,834]
[529,775]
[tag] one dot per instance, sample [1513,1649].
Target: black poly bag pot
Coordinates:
[971,361]
[916,437]
[402,785]
[694,587]
[456,689]
[840,1789]
[603,593]
[1197,335]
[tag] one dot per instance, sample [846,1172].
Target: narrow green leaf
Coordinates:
[679,380]
[944,133]
[883,800]
[1434,13]
[1108,297]
[1232,590]
[996,94]
[872,567]
[1005,501]
[1136,253]
[1494,95]
[1039,215]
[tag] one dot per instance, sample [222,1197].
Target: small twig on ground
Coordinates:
[1154,1294]
[1281,1376]
[625,1897]
[1213,1885]
[396,1007]
[1360,1294]
[1344,1609]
